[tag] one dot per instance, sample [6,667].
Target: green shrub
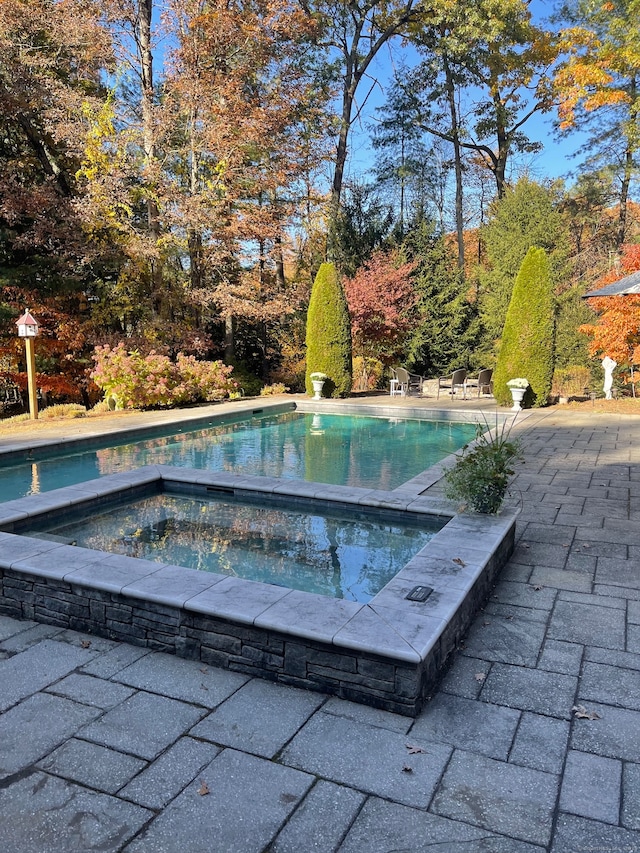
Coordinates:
[480,476]
[527,346]
[247,383]
[329,334]
[274,388]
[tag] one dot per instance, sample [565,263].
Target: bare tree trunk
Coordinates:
[457,159]
[500,162]
[627,172]
[359,37]
[624,197]
[229,340]
[279,261]
[143,34]
[45,154]
[194,236]
[348,95]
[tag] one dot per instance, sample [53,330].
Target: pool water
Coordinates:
[329,552]
[369,452]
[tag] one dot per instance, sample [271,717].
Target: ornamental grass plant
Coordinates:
[480,476]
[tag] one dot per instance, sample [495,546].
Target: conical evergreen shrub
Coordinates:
[329,334]
[528,337]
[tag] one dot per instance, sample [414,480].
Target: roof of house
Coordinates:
[630,284]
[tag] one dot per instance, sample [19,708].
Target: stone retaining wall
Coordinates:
[357,676]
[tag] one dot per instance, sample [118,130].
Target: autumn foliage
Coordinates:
[132,380]
[381,298]
[617,332]
[171,179]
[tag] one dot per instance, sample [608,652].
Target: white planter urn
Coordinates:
[317,388]
[518,395]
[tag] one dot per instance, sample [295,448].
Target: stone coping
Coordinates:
[409,642]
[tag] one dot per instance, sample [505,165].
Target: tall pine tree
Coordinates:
[447,332]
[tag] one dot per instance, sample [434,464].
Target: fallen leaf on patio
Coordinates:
[203,669]
[407,769]
[414,750]
[537,587]
[486,622]
[480,676]
[85,643]
[203,790]
[459,561]
[581,713]
[203,687]
[525,545]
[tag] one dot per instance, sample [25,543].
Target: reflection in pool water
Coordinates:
[336,554]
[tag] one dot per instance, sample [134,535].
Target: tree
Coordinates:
[214,155]
[355,32]
[414,174]
[51,58]
[526,216]
[587,208]
[236,94]
[528,337]
[598,87]
[445,333]
[492,50]
[329,333]
[381,297]
[360,227]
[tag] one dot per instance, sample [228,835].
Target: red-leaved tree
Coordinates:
[381,299]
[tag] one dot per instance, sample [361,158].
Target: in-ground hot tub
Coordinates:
[306,545]
[386,652]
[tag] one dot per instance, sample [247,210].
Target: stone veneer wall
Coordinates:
[374,680]
[391,685]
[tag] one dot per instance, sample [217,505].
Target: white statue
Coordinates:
[608,365]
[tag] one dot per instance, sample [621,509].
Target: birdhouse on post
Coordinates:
[28,329]
[27,326]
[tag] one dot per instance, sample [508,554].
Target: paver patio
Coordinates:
[109,747]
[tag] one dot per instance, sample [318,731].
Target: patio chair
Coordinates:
[409,381]
[458,379]
[395,387]
[10,395]
[483,382]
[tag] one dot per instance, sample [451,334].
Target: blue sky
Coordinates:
[557,159]
[554,161]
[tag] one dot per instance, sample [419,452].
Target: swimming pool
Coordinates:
[355,450]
